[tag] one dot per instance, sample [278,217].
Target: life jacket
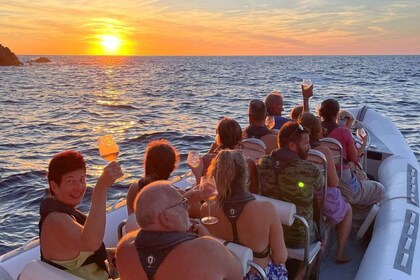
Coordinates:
[233,209]
[255,131]
[50,205]
[280,158]
[153,247]
[328,127]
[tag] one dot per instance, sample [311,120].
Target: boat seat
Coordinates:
[245,257]
[39,270]
[318,158]
[337,150]
[253,148]
[121,231]
[288,216]
[4,275]
[128,225]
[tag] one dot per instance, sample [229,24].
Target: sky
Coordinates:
[210,27]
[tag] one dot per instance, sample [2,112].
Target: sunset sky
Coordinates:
[210,27]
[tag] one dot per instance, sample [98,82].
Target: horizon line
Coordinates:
[214,55]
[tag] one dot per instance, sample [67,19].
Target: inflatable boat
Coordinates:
[391,253]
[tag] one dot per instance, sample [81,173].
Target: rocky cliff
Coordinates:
[8,58]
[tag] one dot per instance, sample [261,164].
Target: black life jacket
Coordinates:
[153,247]
[280,158]
[50,205]
[233,209]
[255,131]
[328,127]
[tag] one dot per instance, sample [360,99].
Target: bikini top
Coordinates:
[153,247]
[233,209]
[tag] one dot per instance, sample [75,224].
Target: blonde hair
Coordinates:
[346,115]
[230,171]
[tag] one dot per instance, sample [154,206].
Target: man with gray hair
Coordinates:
[164,249]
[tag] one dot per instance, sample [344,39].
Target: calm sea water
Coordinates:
[67,104]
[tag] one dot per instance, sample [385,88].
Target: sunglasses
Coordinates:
[184,203]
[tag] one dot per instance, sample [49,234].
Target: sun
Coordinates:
[111,44]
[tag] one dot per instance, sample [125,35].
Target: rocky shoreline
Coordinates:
[8,58]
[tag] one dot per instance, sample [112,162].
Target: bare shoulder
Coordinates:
[134,188]
[127,241]
[206,241]
[126,248]
[262,205]
[264,209]
[209,245]
[59,220]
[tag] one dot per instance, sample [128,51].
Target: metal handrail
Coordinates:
[259,269]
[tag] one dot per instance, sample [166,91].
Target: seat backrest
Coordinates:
[337,150]
[270,141]
[242,253]
[288,216]
[253,148]
[39,270]
[285,209]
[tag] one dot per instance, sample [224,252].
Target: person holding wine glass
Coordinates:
[160,160]
[228,137]
[193,161]
[274,104]
[244,220]
[209,194]
[69,239]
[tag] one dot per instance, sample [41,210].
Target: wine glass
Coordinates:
[306,83]
[109,150]
[270,122]
[209,192]
[361,132]
[193,159]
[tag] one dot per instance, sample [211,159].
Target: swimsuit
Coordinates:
[273,271]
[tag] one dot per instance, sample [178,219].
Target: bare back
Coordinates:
[259,227]
[201,258]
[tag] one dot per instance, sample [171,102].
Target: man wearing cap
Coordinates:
[257,128]
[163,249]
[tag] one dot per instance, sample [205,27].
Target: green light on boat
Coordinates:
[301,184]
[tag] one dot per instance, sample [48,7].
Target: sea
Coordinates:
[71,101]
